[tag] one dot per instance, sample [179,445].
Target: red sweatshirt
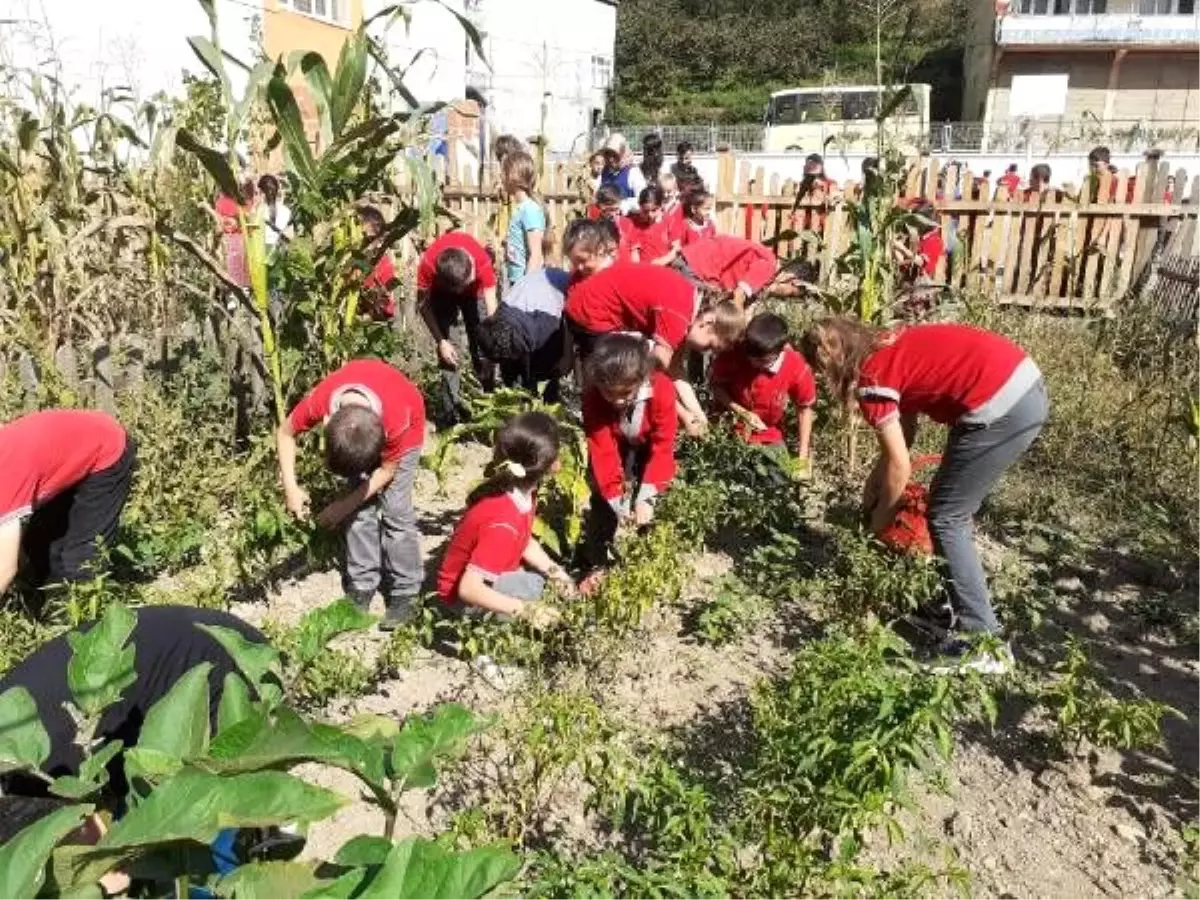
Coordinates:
[730,262]
[650,420]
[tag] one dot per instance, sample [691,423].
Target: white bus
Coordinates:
[805,119]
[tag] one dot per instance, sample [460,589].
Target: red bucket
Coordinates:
[909,531]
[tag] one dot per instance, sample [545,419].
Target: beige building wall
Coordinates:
[1162,87]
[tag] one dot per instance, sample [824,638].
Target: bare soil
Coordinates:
[1023,822]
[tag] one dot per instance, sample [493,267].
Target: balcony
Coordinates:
[1121,23]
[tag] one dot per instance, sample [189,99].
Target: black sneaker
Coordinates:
[362,601]
[936,622]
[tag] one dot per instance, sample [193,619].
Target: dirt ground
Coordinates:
[1102,826]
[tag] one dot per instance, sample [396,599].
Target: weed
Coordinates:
[731,611]
[1188,880]
[332,674]
[1085,710]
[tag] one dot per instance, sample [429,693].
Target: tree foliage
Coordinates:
[718,60]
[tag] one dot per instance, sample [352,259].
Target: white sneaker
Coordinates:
[958,655]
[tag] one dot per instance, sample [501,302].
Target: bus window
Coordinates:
[858,105]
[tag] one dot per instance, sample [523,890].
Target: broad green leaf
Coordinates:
[320,84]
[418,868]
[269,879]
[27,131]
[23,859]
[370,726]
[101,666]
[348,80]
[214,162]
[195,805]
[363,850]
[344,887]
[284,738]
[178,723]
[152,765]
[211,57]
[285,112]
[235,704]
[425,739]
[24,743]
[93,774]
[320,626]
[256,81]
[259,662]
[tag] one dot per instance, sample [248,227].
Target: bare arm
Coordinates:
[490,304]
[687,406]
[804,419]
[10,552]
[475,591]
[533,240]
[294,496]
[343,507]
[894,468]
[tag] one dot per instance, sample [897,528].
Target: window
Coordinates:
[601,72]
[334,11]
[1167,7]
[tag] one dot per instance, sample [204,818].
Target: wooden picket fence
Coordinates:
[1060,249]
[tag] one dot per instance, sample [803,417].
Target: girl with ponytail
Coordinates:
[493,563]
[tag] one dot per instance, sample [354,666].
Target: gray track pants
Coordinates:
[520,584]
[383,549]
[974,459]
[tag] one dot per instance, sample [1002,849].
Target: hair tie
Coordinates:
[515,469]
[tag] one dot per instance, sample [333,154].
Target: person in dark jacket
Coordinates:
[527,336]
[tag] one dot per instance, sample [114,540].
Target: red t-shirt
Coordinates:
[45,453]
[649,239]
[650,420]
[652,300]
[485,274]
[728,261]
[228,210]
[1010,181]
[932,248]
[942,370]
[393,397]
[765,393]
[490,537]
[688,232]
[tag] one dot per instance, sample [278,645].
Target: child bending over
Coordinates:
[527,335]
[741,267]
[756,379]
[630,423]
[493,563]
[374,420]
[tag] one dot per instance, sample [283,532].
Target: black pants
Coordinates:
[549,363]
[583,339]
[62,536]
[448,310]
[601,525]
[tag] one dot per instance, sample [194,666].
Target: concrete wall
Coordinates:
[431,47]
[545,47]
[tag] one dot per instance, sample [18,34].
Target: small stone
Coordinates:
[1128,832]
[958,825]
[1071,585]
[990,863]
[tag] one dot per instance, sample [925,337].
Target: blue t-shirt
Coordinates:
[525,218]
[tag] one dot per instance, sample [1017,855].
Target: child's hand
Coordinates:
[591,583]
[540,616]
[643,514]
[296,500]
[564,582]
[447,353]
[696,426]
[753,420]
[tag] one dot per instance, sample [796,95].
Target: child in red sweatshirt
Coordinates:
[756,380]
[630,423]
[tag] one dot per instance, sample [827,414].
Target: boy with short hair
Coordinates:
[456,283]
[756,379]
[374,422]
[65,475]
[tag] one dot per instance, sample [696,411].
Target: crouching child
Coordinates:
[374,420]
[630,423]
[527,336]
[493,564]
[756,379]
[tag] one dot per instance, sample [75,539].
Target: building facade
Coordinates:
[1120,63]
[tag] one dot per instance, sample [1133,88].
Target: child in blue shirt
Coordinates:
[527,226]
